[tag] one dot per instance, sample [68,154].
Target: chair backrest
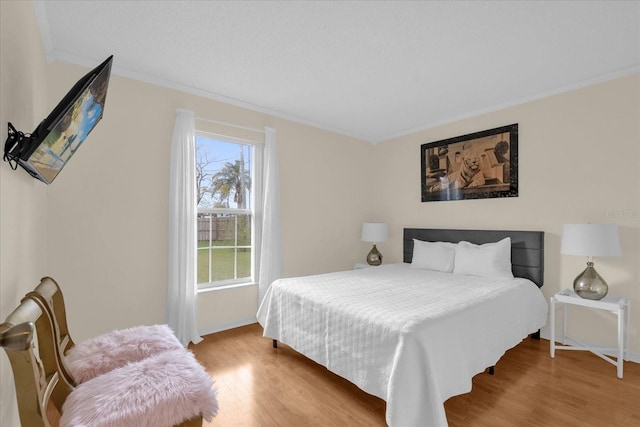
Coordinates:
[50,294]
[28,338]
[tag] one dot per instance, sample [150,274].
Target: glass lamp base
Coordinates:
[374,257]
[590,285]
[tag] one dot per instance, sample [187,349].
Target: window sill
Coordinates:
[225,287]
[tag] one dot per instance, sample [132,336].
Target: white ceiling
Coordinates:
[372,70]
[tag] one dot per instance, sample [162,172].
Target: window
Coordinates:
[226,226]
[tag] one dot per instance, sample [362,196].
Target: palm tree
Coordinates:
[231,179]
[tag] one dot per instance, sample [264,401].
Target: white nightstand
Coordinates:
[362,265]
[612,303]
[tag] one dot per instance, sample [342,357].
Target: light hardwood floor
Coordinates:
[261,386]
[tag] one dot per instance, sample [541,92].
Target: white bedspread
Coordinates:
[411,337]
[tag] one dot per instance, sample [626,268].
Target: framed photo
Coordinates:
[479,165]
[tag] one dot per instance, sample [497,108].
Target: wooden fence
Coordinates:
[220,228]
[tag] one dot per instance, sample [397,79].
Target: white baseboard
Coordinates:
[212,329]
[631,357]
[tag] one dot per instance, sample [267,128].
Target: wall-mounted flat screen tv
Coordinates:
[48,149]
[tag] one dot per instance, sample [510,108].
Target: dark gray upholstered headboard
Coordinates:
[527,247]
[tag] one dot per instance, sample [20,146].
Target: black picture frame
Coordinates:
[478,165]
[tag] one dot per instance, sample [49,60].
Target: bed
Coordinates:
[410,335]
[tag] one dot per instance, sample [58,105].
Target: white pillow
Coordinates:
[488,260]
[436,256]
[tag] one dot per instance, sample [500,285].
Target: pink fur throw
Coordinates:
[107,352]
[162,390]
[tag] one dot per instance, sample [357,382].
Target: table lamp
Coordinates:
[590,240]
[374,232]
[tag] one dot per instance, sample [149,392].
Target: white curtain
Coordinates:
[181,292]
[271,242]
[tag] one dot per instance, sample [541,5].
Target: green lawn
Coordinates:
[222,262]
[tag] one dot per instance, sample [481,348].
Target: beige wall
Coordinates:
[579,157]
[108,209]
[23,234]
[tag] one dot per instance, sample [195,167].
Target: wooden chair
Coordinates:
[34,363]
[31,344]
[88,359]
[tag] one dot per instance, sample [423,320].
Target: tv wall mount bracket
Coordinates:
[16,142]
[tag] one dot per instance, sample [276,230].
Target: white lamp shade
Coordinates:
[590,240]
[374,232]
